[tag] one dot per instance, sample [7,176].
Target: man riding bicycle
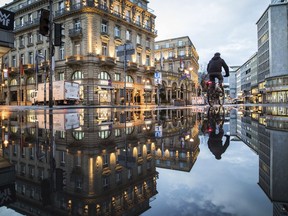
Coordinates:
[214,69]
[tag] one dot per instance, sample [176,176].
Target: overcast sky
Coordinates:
[226,26]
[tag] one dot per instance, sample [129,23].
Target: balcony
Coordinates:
[149,69]
[12,71]
[132,66]
[75,33]
[75,60]
[28,68]
[106,61]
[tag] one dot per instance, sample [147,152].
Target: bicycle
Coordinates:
[215,93]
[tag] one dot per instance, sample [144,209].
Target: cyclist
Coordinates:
[214,69]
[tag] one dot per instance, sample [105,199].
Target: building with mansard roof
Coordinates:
[93,31]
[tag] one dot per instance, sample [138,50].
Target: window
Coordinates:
[147,60]
[104,134]
[147,42]
[21,39]
[61,53]
[61,5]
[104,26]
[31,80]
[117,31]
[128,35]
[138,20]
[171,66]
[31,58]
[138,60]
[167,45]
[170,54]
[22,59]
[180,43]
[21,21]
[77,24]
[77,75]
[156,47]
[182,53]
[13,61]
[30,38]
[13,82]
[128,15]
[104,49]
[61,75]
[30,18]
[129,79]
[104,76]
[138,39]
[117,77]
[39,37]
[117,132]
[78,135]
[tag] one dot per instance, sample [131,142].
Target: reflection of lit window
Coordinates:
[104,134]
[78,135]
[129,130]
[14,129]
[77,75]
[117,132]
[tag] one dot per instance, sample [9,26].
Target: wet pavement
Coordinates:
[145,160]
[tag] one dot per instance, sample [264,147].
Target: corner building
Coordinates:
[273,53]
[177,60]
[93,31]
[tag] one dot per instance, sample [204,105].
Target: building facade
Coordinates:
[93,32]
[273,53]
[177,60]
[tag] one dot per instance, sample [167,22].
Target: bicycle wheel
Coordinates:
[211,96]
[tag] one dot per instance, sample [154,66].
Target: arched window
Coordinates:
[77,75]
[13,82]
[104,76]
[129,130]
[104,134]
[31,80]
[129,79]
[78,135]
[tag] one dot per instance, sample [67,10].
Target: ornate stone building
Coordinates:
[93,32]
[177,60]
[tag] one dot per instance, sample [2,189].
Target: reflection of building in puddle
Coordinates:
[91,170]
[178,146]
[271,139]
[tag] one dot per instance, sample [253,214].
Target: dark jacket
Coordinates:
[215,65]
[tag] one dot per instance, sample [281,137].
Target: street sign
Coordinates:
[126,47]
[158,78]
[158,131]
[128,52]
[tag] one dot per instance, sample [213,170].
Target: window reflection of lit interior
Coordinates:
[78,135]
[104,134]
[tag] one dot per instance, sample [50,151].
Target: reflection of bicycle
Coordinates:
[215,93]
[216,119]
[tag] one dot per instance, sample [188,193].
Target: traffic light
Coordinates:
[58,36]
[44,22]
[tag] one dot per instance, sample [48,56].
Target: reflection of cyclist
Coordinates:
[216,134]
[214,68]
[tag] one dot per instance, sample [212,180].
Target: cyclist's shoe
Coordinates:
[226,75]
